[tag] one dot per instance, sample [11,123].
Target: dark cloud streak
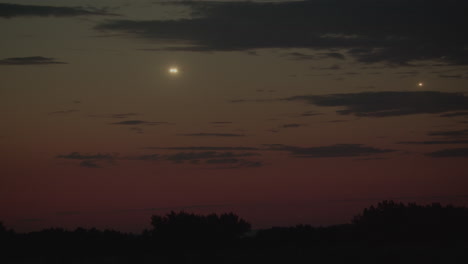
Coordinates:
[124,115]
[212,135]
[293,125]
[33,60]
[449,153]
[450,133]
[137,122]
[386,104]
[455,114]
[79,156]
[190,156]
[16,10]
[332,151]
[204,148]
[64,112]
[396,32]
[434,142]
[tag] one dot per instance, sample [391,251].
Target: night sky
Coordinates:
[284,112]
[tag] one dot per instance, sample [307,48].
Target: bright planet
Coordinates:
[173,70]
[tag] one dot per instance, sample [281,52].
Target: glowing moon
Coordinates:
[173,70]
[420,84]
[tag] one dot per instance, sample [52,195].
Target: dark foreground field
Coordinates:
[388,233]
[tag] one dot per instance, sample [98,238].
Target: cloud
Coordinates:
[334,55]
[292,125]
[329,68]
[300,56]
[310,113]
[337,121]
[254,100]
[148,157]
[333,151]
[397,32]
[119,116]
[372,158]
[34,60]
[192,156]
[212,135]
[449,153]
[455,114]
[180,157]
[456,76]
[385,104]
[450,133]
[78,156]
[15,10]
[90,160]
[205,148]
[137,122]
[434,142]
[124,115]
[234,163]
[222,161]
[64,112]
[207,157]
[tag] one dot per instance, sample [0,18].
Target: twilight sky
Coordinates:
[284,112]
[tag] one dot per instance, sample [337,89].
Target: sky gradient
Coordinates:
[284,112]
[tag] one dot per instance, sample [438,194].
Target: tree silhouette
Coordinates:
[389,232]
[188,228]
[395,222]
[5,233]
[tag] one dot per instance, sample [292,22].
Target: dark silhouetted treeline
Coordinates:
[387,233]
[184,229]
